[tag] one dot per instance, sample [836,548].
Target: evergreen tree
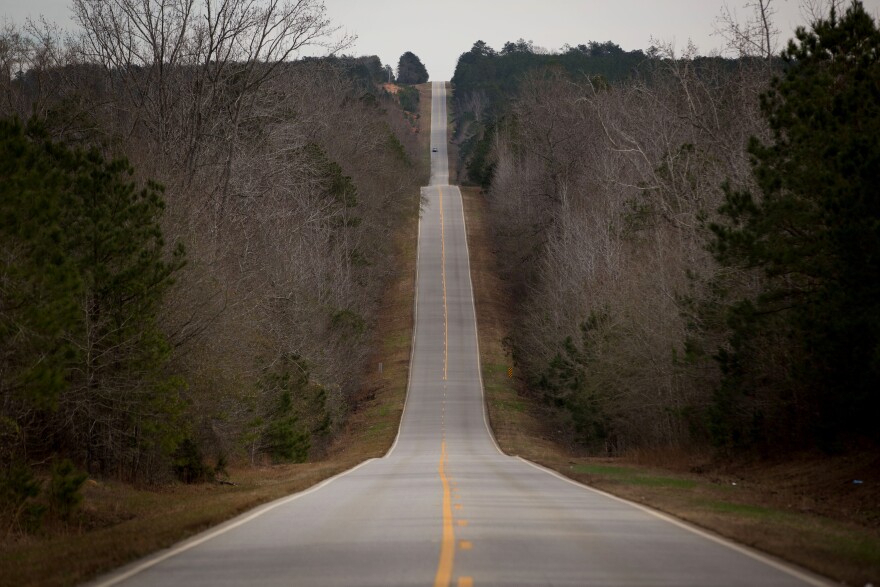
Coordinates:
[115,240]
[814,231]
[295,411]
[410,69]
[39,283]
[83,273]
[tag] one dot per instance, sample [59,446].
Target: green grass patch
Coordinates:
[632,476]
[672,482]
[378,428]
[495,378]
[495,368]
[398,340]
[515,405]
[379,413]
[605,470]
[739,509]
[864,551]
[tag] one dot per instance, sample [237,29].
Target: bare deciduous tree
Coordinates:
[755,37]
[193,71]
[601,195]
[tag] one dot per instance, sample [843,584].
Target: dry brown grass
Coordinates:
[793,510]
[120,523]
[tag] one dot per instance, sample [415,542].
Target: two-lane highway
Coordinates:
[445,506]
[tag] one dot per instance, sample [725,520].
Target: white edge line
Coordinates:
[197,540]
[787,568]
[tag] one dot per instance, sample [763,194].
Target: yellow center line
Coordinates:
[447,545]
[443,272]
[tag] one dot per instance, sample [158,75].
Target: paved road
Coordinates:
[445,507]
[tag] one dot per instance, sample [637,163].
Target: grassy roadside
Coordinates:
[123,523]
[765,507]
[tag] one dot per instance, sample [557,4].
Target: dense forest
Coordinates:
[194,241]
[691,241]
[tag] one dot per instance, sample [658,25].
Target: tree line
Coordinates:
[692,245]
[486,81]
[194,239]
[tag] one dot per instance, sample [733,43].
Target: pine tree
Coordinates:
[411,70]
[814,231]
[83,274]
[39,283]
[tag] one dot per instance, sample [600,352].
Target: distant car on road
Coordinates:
[433,149]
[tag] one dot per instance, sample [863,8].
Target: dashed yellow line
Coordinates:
[447,544]
[443,272]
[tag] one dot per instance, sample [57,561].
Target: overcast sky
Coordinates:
[438,32]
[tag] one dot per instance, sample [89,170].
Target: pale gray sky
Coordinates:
[438,32]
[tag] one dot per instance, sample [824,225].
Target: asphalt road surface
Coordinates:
[445,506]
